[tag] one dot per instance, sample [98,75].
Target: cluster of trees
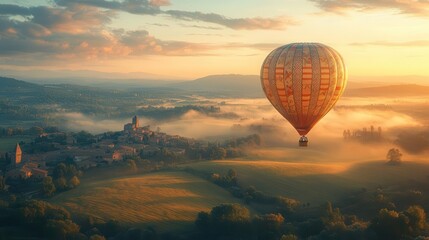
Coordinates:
[19,112]
[386,225]
[364,135]
[251,140]
[84,138]
[227,181]
[250,194]
[65,177]
[390,224]
[32,131]
[233,221]
[232,148]
[37,219]
[42,220]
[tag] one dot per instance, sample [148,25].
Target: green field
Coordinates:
[169,200]
[9,143]
[313,181]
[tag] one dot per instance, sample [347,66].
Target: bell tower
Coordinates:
[136,122]
[18,155]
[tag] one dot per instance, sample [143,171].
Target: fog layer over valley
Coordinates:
[244,152]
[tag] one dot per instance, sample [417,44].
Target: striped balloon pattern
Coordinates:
[303,81]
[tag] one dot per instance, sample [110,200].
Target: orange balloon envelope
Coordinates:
[303,81]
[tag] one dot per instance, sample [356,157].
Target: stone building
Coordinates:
[134,125]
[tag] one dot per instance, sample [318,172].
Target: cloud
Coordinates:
[159,2]
[420,43]
[131,6]
[259,46]
[73,19]
[54,33]
[77,29]
[153,8]
[277,23]
[412,7]
[141,42]
[201,27]
[76,121]
[10,9]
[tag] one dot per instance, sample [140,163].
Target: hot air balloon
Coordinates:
[303,81]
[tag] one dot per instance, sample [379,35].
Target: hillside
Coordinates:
[13,83]
[403,90]
[329,177]
[231,85]
[10,87]
[168,200]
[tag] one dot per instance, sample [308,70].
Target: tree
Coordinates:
[97,237]
[230,219]
[111,228]
[132,165]
[203,221]
[61,183]
[289,237]
[231,177]
[287,205]
[333,218]
[390,225]
[269,226]
[48,186]
[84,138]
[60,170]
[35,130]
[417,219]
[35,213]
[74,182]
[60,229]
[2,183]
[394,156]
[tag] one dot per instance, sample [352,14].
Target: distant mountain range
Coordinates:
[241,85]
[392,91]
[230,85]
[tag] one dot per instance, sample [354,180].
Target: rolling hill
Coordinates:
[231,85]
[315,183]
[168,200]
[392,91]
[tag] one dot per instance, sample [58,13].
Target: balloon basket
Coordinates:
[303,141]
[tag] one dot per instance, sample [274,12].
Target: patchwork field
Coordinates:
[169,200]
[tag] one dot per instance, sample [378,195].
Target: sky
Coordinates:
[187,39]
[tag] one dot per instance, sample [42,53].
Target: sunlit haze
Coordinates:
[169,39]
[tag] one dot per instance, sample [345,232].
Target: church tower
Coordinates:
[136,122]
[18,155]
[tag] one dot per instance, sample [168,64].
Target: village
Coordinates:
[33,162]
[90,151]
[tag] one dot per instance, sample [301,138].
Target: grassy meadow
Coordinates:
[311,180]
[168,200]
